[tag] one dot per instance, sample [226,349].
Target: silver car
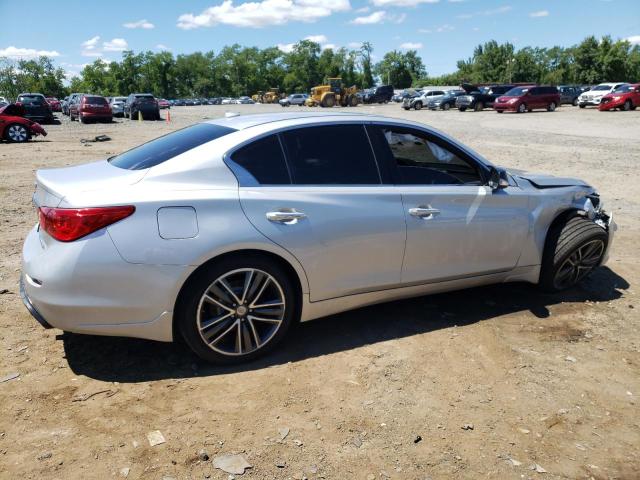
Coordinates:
[229,231]
[117,106]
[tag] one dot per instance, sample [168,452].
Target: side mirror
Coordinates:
[498,178]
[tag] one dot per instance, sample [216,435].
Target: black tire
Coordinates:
[500,111]
[190,303]
[407,108]
[478,107]
[522,108]
[418,105]
[16,133]
[575,102]
[551,107]
[627,106]
[328,101]
[353,101]
[582,106]
[565,241]
[462,109]
[446,106]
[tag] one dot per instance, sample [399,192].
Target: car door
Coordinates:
[456,225]
[316,191]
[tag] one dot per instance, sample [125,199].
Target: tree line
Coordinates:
[238,70]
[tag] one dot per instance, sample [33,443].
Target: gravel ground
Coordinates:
[498,382]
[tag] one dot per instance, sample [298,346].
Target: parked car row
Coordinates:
[523,98]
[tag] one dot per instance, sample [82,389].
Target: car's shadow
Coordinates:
[132,360]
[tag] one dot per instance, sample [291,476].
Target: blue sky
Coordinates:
[77,32]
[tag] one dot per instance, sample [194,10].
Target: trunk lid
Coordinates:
[53,185]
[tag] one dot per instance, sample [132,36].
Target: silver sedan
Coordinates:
[229,231]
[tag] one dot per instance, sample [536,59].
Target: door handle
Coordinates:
[424,212]
[285,217]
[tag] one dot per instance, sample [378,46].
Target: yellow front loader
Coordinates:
[332,94]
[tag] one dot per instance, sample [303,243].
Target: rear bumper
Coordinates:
[32,310]
[97,116]
[86,287]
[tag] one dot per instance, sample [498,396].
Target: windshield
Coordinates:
[31,99]
[517,92]
[168,146]
[624,89]
[601,87]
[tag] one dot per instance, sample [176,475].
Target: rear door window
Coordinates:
[330,155]
[263,160]
[168,146]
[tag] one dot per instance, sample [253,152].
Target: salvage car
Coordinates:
[445,102]
[15,128]
[36,107]
[479,98]
[594,96]
[228,232]
[91,108]
[54,104]
[163,103]
[379,94]
[626,97]
[117,106]
[528,98]
[569,94]
[421,100]
[141,105]
[294,99]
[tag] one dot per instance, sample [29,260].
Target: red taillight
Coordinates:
[69,224]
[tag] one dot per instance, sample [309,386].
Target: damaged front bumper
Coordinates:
[593,209]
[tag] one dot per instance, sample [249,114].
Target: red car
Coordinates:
[15,128]
[54,104]
[162,103]
[626,97]
[91,108]
[527,98]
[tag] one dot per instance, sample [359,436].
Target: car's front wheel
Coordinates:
[522,108]
[574,247]
[16,133]
[446,106]
[237,309]
[418,105]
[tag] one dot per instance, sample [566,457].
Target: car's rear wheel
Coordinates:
[446,106]
[16,133]
[575,102]
[522,108]
[237,309]
[627,106]
[462,109]
[574,247]
[418,105]
[551,107]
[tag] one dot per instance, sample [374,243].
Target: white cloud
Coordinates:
[363,10]
[115,45]
[16,52]
[317,38]
[90,47]
[144,24]
[411,46]
[539,13]
[161,46]
[286,47]
[401,3]
[332,46]
[633,39]
[262,13]
[380,16]
[486,13]
[354,45]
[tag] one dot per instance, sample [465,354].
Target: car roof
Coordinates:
[241,122]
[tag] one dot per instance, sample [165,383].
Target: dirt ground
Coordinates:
[499,382]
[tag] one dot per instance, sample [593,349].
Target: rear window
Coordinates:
[31,99]
[164,148]
[145,98]
[95,100]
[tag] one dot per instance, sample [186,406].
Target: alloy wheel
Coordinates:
[17,133]
[241,311]
[578,265]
